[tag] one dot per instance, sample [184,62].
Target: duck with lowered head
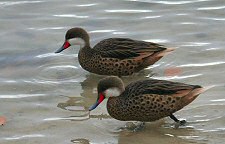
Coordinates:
[145,100]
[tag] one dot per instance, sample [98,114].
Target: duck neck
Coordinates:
[86,48]
[85,55]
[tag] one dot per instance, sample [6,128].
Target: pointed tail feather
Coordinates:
[165,52]
[201,90]
[194,94]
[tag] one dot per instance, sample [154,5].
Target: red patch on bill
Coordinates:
[101,98]
[66,44]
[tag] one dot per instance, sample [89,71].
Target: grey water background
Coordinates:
[45,96]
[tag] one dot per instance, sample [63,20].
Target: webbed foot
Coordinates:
[178,122]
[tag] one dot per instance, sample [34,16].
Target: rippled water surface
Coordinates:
[45,96]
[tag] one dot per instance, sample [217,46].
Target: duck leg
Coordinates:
[181,122]
[140,127]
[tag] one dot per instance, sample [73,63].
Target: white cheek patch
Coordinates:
[112,92]
[77,41]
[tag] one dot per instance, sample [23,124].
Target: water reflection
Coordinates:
[73,104]
[154,134]
[80,111]
[80,141]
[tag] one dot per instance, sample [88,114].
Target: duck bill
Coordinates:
[99,100]
[64,46]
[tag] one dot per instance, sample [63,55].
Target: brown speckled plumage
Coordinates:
[116,56]
[148,100]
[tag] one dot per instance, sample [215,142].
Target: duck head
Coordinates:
[107,87]
[75,36]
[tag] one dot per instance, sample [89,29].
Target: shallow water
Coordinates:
[45,96]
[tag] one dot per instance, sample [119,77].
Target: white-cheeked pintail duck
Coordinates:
[113,56]
[145,100]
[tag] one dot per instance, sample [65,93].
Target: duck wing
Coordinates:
[123,48]
[159,87]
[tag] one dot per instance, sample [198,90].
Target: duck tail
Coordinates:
[195,93]
[150,58]
[165,52]
[203,89]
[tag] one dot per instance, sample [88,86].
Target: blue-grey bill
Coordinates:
[60,49]
[93,106]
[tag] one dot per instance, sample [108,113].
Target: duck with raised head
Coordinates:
[145,100]
[113,56]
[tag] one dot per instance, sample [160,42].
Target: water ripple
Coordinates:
[71,16]
[10,81]
[24,136]
[196,44]
[21,95]
[87,5]
[187,23]
[182,14]
[127,11]
[194,137]
[18,2]
[213,18]
[56,73]
[177,77]
[202,64]
[212,8]
[119,33]
[72,118]
[171,2]
[151,17]
[46,55]
[46,28]
[209,49]
[157,40]
[101,31]
[218,100]
[215,130]
[203,120]
[170,135]
[200,116]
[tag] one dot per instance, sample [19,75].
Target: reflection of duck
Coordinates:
[76,105]
[80,111]
[80,141]
[75,102]
[113,56]
[145,100]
